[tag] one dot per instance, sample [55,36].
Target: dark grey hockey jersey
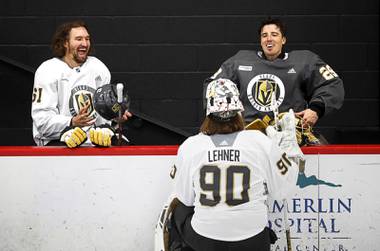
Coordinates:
[299,79]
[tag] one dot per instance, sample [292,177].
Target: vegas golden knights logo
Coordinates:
[264,90]
[83,100]
[116,107]
[81,96]
[260,90]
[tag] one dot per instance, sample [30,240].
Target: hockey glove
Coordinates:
[259,124]
[102,135]
[305,135]
[286,139]
[73,136]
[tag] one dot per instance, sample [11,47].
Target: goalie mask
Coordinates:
[223,99]
[105,101]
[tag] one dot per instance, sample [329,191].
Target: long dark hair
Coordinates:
[211,125]
[62,34]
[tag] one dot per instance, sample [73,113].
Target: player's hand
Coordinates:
[126,115]
[73,137]
[123,118]
[286,138]
[83,119]
[309,117]
[101,136]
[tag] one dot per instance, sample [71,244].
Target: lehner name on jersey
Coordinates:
[224,155]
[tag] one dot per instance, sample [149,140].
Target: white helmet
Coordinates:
[223,99]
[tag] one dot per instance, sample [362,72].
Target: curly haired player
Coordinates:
[62,100]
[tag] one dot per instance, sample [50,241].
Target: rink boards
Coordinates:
[109,199]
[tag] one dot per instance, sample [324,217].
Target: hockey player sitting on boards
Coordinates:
[299,80]
[64,86]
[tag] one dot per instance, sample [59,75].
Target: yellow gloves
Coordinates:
[73,137]
[101,136]
[259,124]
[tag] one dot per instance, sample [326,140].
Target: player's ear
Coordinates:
[283,40]
[66,45]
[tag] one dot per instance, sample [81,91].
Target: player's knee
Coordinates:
[176,228]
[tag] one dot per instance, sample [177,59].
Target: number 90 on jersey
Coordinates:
[227,184]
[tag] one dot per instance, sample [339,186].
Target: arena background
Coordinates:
[164,49]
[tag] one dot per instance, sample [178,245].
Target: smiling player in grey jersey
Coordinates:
[299,80]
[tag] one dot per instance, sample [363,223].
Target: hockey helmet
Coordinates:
[223,99]
[105,101]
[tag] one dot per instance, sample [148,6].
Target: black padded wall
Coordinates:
[164,49]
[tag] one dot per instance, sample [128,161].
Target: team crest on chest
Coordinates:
[260,90]
[80,97]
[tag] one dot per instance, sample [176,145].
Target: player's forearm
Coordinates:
[331,95]
[51,126]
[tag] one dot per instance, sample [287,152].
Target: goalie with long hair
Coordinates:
[223,177]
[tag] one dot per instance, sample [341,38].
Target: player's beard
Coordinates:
[80,57]
[77,55]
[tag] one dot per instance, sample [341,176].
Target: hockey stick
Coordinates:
[119,89]
[287,226]
[274,107]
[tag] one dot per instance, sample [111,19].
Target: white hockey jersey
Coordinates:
[60,91]
[228,178]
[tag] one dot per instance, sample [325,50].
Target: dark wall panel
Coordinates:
[163,85]
[359,7]
[163,50]
[354,113]
[176,8]
[373,56]
[15,101]
[361,85]
[26,30]
[343,57]
[312,28]
[352,26]
[185,112]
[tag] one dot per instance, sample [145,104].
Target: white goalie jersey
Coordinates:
[228,178]
[59,93]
